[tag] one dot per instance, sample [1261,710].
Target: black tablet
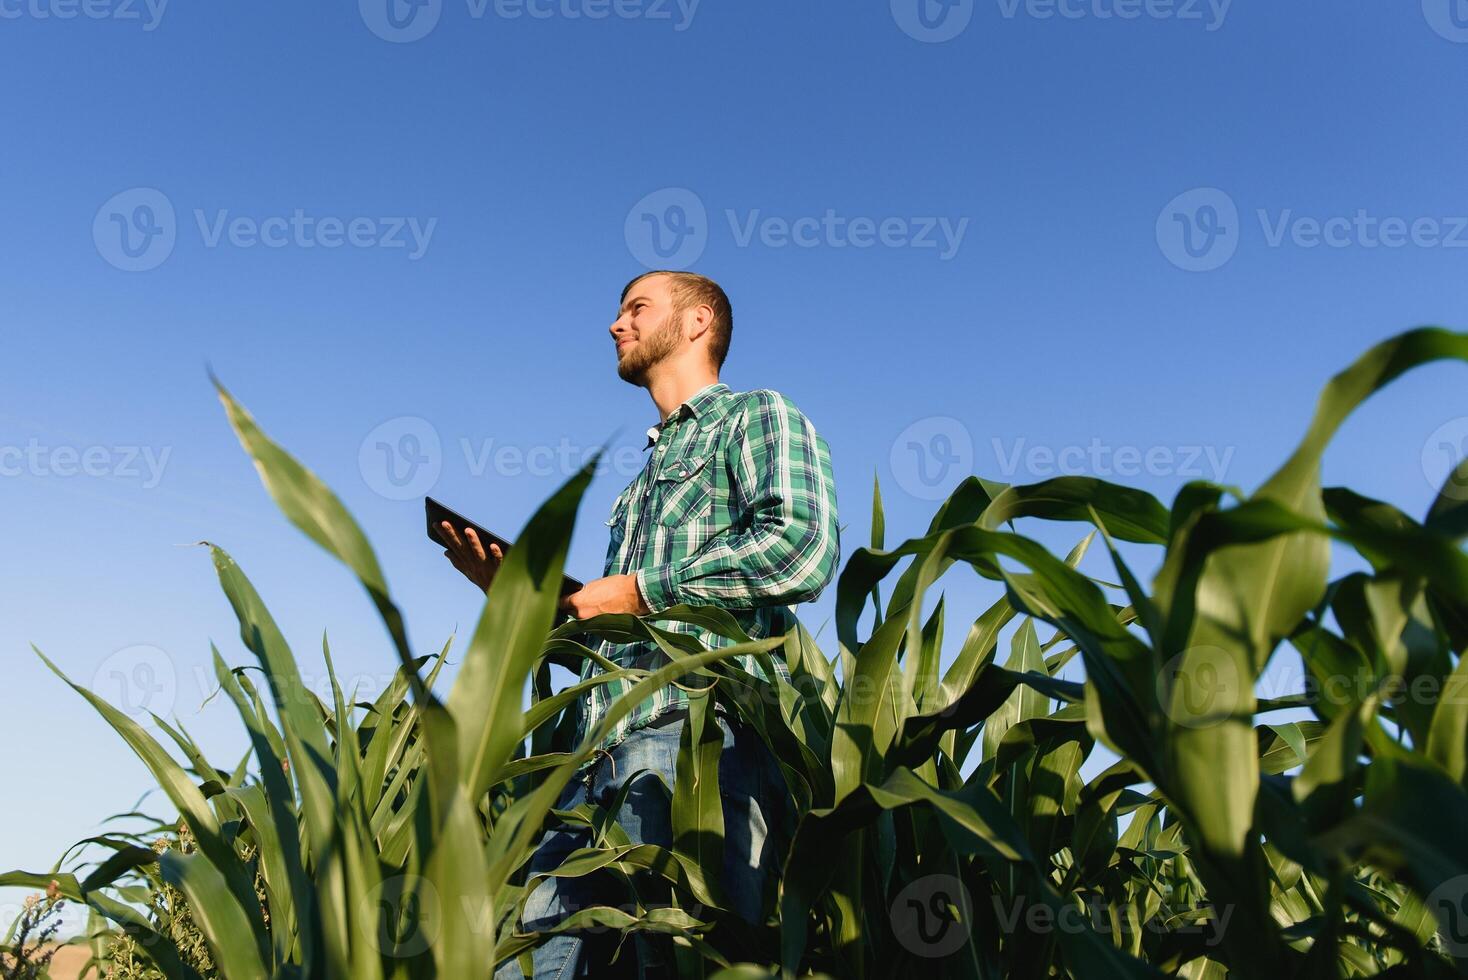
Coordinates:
[436,513]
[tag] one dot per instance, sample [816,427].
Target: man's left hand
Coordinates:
[613,594]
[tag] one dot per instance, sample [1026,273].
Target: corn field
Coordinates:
[944,825]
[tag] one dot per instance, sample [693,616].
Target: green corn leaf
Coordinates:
[194,807]
[225,925]
[698,806]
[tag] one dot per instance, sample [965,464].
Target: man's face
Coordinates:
[647,329]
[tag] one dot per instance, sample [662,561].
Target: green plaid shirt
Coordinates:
[735,508]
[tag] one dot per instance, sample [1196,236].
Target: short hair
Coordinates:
[689,290]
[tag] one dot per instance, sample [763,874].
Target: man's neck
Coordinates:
[672,390]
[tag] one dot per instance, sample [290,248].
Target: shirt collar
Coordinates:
[698,404]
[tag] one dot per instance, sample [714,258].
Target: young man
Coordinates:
[734,508]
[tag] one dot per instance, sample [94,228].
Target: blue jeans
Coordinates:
[754,809]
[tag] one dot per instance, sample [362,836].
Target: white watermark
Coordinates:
[37,459]
[140,681]
[1200,230]
[1071,918]
[670,228]
[1101,459]
[1361,230]
[1448,903]
[404,457]
[1443,452]
[1209,13]
[148,14]
[405,21]
[936,21]
[931,455]
[302,230]
[932,917]
[1449,18]
[138,229]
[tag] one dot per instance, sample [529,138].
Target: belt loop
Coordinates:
[611,761]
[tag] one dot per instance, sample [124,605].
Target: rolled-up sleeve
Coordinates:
[785,548]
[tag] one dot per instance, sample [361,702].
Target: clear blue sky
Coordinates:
[1033,247]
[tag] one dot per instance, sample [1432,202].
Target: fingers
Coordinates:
[450,536]
[467,554]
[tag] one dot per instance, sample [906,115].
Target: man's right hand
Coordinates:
[467,554]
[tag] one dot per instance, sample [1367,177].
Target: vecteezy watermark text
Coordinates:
[404,457]
[148,13]
[37,459]
[670,228]
[136,230]
[405,21]
[301,230]
[1097,458]
[936,21]
[1207,921]
[1201,229]
[1210,13]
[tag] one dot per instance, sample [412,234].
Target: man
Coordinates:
[734,508]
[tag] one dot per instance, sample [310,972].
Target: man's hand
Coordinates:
[613,594]
[467,553]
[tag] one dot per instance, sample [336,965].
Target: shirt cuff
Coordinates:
[656,586]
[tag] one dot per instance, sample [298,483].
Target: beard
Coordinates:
[650,348]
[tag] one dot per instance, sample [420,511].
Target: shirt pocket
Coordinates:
[685,490]
[617,522]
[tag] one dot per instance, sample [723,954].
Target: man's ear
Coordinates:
[697,320]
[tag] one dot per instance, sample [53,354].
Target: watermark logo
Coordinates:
[37,459]
[140,681]
[401,21]
[307,231]
[1101,459]
[407,913]
[562,459]
[405,21]
[1443,451]
[1361,230]
[136,230]
[1449,18]
[933,21]
[1207,923]
[1198,231]
[834,230]
[929,455]
[678,12]
[1448,902]
[404,458]
[668,229]
[401,458]
[1201,687]
[933,916]
[149,13]
[1210,13]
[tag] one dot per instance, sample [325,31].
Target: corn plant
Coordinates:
[941,822]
